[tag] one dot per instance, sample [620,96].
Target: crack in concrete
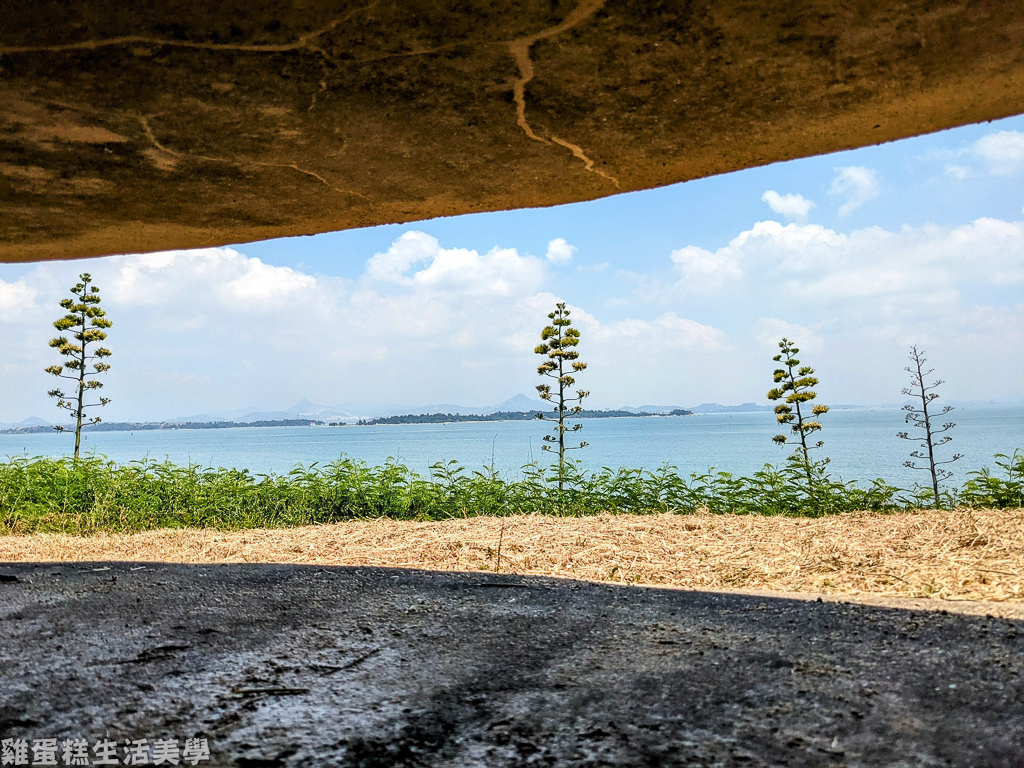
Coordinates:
[304,42]
[148,130]
[92,45]
[314,175]
[326,59]
[588,164]
[242,162]
[325,62]
[520,50]
[420,52]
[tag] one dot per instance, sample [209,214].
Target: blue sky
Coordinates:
[639,228]
[680,293]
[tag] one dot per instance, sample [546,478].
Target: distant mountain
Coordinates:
[305,406]
[232,415]
[304,409]
[518,403]
[32,421]
[653,408]
[351,412]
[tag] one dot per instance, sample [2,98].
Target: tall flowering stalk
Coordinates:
[921,418]
[558,343]
[88,322]
[796,391]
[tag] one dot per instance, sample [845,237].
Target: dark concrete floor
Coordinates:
[301,665]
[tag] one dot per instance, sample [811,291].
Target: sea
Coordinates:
[861,444]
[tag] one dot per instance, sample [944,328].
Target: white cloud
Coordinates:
[263,284]
[816,267]
[16,299]
[804,245]
[790,247]
[914,260]
[688,334]
[865,295]
[668,330]
[1003,152]
[958,172]
[701,270]
[857,184]
[499,272]
[202,330]
[769,331]
[560,252]
[409,249]
[791,206]
[206,277]
[1000,154]
[637,360]
[1006,323]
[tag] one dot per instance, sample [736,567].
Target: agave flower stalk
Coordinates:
[796,391]
[88,323]
[558,343]
[920,417]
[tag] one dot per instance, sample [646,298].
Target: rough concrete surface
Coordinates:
[302,665]
[133,126]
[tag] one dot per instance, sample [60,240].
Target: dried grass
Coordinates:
[957,555]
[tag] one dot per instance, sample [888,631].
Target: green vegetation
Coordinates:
[93,494]
[89,323]
[558,342]
[920,418]
[984,489]
[83,495]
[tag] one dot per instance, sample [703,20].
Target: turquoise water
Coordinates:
[861,443]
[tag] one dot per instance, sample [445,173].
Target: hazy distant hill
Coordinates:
[33,421]
[518,403]
[305,409]
[351,413]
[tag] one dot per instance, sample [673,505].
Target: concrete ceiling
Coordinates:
[134,126]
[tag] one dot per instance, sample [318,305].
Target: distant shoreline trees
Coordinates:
[443,418]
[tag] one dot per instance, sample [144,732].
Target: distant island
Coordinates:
[124,426]
[444,418]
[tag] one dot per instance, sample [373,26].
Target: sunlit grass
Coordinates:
[95,494]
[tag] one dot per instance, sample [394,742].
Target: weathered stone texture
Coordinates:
[144,126]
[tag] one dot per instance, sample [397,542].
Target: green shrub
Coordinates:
[95,494]
[983,489]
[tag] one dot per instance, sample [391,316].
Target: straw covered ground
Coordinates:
[953,555]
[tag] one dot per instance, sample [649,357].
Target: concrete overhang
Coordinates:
[131,126]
